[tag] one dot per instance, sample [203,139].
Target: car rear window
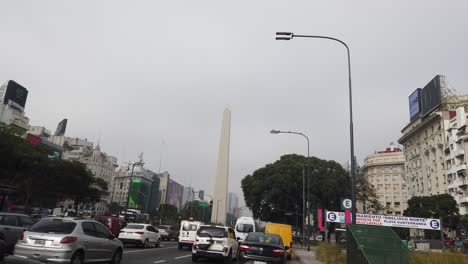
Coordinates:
[189,227]
[134,226]
[244,228]
[263,238]
[211,231]
[54,226]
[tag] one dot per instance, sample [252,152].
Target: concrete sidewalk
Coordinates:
[304,256]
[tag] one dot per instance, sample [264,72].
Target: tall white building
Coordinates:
[141,184]
[233,203]
[385,170]
[455,158]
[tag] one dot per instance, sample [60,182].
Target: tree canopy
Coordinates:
[279,185]
[41,181]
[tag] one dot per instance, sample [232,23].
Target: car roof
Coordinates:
[71,219]
[17,214]
[215,226]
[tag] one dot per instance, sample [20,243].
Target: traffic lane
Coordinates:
[167,253]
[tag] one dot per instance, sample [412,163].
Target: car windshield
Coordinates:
[263,238]
[134,227]
[244,228]
[54,226]
[209,231]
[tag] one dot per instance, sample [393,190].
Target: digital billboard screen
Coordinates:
[17,94]
[415,104]
[139,194]
[431,96]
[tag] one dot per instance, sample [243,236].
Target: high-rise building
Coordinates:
[385,170]
[456,159]
[233,203]
[171,191]
[424,138]
[138,196]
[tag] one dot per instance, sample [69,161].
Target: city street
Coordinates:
[167,253]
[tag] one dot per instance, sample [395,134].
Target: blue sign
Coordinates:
[331,217]
[415,103]
[435,224]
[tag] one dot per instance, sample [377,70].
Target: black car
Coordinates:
[262,248]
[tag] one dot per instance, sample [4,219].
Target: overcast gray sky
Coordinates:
[136,73]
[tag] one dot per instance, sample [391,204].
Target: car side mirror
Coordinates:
[286,247]
[157,231]
[111,236]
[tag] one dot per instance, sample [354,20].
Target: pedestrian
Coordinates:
[459,245]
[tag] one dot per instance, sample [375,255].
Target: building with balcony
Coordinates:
[455,158]
[385,170]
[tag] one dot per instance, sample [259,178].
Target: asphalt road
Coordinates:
[168,253]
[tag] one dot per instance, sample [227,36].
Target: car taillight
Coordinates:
[278,252]
[68,240]
[140,233]
[21,236]
[225,249]
[168,230]
[244,248]
[195,246]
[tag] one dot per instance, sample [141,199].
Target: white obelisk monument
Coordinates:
[219,209]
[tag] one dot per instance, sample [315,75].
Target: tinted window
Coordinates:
[150,228]
[135,226]
[26,221]
[9,220]
[101,231]
[263,238]
[88,228]
[211,231]
[54,226]
[244,228]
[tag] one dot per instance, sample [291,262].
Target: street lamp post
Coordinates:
[289,36]
[308,179]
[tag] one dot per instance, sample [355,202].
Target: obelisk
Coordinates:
[218,213]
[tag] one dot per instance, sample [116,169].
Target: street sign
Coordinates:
[346,204]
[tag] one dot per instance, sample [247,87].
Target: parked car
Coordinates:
[114,224]
[11,226]
[262,248]
[188,233]
[142,235]
[167,232]
[66,240]
[216,242]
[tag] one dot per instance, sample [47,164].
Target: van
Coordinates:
[188,233]
[244,225]
[113,224]
[284,231]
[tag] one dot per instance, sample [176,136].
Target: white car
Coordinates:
[141,235]
[216,242]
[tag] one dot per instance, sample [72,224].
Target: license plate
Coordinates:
[259,262]
[39,242]
[219,242]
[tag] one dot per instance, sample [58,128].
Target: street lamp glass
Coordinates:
[274,131]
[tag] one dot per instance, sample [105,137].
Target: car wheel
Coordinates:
[229,257]
[179,246]
[158,244]
[194,258]
[117,258]
[145,244]
[77,258]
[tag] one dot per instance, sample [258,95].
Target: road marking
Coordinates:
[143,250]
[183,256]
[159,261]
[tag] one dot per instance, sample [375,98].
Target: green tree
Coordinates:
[279,185]
[168,214]
[437,206]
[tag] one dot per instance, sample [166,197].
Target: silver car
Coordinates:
[11,225]
[69,240]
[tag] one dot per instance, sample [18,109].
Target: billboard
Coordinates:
[62,126]
[139,194]
[174,193]
[415,104]
[431,96]
[387,220]
[15,95]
